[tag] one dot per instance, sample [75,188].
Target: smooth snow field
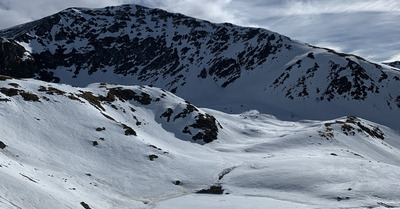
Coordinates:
[200,201]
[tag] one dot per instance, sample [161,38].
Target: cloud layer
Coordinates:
[368,28]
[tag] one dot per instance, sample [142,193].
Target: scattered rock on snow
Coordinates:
[2,145]
[84,205]
[100,129]
[152,157]
[212,190]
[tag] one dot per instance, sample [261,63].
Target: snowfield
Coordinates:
[196,201]
[70,147]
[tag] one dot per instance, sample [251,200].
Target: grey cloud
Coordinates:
[367,28]
[10,18]
[212,10]
[20,11]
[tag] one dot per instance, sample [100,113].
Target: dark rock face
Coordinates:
[356,87]
[84,205]
[12,61]
[207,123]
[212,190]
[16,62]
[2,145]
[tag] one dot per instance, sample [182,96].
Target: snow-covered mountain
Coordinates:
[219,66]
[395,64]
[115,146]
[261,119]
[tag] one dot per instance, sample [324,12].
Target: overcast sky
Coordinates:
[369,28]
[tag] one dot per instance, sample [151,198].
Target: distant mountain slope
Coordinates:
[115,146]
[220,66]
[395,64]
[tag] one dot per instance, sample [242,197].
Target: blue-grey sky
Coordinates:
[369,28]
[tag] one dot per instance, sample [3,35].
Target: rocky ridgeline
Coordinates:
[148,44]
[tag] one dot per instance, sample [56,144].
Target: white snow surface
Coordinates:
[27,47]
[50,160]
[226,201]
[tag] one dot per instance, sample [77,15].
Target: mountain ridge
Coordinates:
[395,64]
[219,66]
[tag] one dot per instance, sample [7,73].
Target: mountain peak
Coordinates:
[92,40]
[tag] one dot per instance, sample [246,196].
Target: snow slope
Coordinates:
[115,146]
[218,66]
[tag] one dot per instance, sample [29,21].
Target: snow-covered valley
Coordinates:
[66,149]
